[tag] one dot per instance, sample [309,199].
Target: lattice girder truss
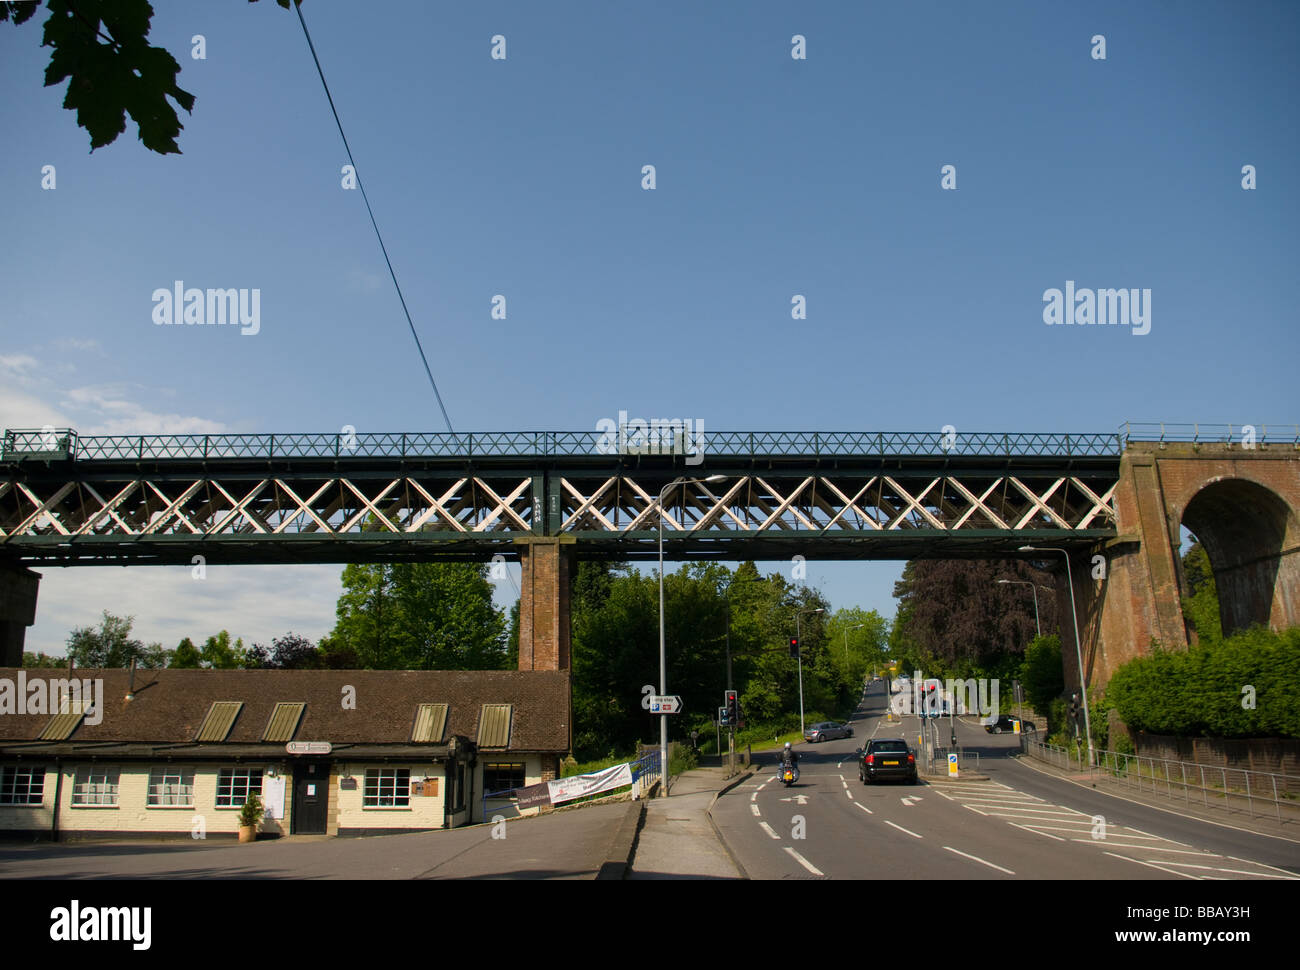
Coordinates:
[845,503]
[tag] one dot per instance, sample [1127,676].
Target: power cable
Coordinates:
[356,172]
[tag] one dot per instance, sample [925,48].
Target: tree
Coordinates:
[112,646]
[101,49]
[289,652]
[1201,604]
[420,616]
[186,655]
[958,613]
[1042,674]
[42,660]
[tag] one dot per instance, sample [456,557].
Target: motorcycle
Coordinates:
[788,774]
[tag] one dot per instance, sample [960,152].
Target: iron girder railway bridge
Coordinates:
[67,499]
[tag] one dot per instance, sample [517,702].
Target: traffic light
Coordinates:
[794,646]
[733,713]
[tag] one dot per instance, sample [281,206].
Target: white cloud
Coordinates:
[253,602]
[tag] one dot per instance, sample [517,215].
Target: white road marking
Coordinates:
[769,830]
[1242,872]
[976,810]
[754,808]
[901,829]
[1150,836]
[1148,848]
[849,793]
[754,797]
[1289,875]
[976,858]
[804,862]
[1185,875]
[842,778]
[864,808]
[1037,832]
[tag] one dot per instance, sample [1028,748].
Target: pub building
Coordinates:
[174,753]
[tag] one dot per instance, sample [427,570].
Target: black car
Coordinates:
[1006,723]
[886,758]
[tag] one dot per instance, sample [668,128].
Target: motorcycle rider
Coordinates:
[790,757]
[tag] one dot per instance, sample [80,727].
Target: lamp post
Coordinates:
[1078,648]
[663,663]
[798,632]
[1034,588]
[846,639]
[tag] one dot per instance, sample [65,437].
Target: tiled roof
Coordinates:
[341,706]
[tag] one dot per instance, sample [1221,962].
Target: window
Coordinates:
[95,785]
[503,776]
[387,788]
[22,785]
[234,784]
[171,788]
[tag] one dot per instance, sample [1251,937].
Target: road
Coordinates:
[1017,824]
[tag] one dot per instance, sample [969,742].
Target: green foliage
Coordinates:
[186,656]
[419,616]
[251,812]
[112,646]
[42,660]
[1199,692]
[1042,674]
[1201,605]
[100,47]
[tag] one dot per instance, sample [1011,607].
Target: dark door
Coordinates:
[310,797]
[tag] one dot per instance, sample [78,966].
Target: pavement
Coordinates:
[678,839]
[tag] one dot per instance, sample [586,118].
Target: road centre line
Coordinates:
[769,830]
[901,829]
[1175,872]
[804,862]
[985,862]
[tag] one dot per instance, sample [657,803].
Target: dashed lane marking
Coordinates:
[769,830]
[803,862]
[985,862]
[755,810]
[901,829]
[864,808]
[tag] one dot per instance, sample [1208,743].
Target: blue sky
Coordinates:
[774,177]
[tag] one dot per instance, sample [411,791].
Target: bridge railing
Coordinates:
[48,444]
[1239,434]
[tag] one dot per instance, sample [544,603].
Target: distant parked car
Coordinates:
[1006,723]
[827,731]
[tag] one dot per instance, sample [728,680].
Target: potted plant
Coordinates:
[249,817]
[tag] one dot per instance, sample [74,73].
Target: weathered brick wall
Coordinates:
[544,630]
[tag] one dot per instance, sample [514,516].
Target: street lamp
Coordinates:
[1078,648]
[663,663]
[1034,587]
[846,639]
[798,632]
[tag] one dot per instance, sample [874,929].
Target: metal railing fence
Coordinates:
[1258,793]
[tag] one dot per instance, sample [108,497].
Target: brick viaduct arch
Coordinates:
[1244,506]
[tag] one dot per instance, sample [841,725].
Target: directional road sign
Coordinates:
[665,704]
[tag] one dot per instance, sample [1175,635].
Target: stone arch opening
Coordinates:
[1253,540]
